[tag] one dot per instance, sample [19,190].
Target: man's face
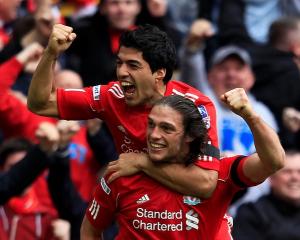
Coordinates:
[121,14]
[138,83]
[229,74]
[8,9]
[286,182]
[165,135]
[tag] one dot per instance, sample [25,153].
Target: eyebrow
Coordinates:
[129,61]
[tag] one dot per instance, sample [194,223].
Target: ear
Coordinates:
[189,139]
[160,74]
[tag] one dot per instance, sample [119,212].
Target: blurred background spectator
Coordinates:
[275,215]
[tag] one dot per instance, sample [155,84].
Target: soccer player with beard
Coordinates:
[144,209]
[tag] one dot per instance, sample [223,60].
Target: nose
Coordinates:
[154,133]
[122,71]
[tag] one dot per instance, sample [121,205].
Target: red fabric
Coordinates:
[28,203]
[4,36]
[145,209]
[9,72]
[25,227]
[16,119]
[84,167]
[26,217]
[128,124]
[83,3]
[115,37]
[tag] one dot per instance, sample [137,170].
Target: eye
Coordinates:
[134,66]
[167,128]
[118,62]
[150,124]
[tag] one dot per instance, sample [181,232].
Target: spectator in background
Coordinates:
[27,30]
[230,68]
[23,173]
[8,13]
[24,216]
[93,54]
[274,63]
[276,215]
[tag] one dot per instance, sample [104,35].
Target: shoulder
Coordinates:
[183,89]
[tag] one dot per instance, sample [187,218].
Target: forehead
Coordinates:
[232,60]
[292,161]
[163,113]
[126,54]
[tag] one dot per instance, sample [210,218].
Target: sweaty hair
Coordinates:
[157,48]
[192,123]
[11,146]
[280,30]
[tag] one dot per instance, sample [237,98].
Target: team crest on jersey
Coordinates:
[191,200]
[104,186]
[96,92]
[205,116]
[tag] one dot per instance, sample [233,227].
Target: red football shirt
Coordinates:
[128,124]
[144,209]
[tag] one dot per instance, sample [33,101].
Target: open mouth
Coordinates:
[128,88]
[156,146]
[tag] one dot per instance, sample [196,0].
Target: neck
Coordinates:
[158,94]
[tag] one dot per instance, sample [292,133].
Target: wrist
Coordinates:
[144,163]
[50,53]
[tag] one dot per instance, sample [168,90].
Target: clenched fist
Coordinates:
[237,101]
[60,39]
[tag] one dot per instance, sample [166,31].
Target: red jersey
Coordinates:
[26,218]
[128,124]
[145,209]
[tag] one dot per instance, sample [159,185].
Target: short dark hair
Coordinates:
[11,146]
[280,29]
[192,123]
[157,48]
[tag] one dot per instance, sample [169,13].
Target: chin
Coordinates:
[155,158]
[132,102]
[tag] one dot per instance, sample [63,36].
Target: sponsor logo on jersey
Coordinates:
[191,200]
[205,116]
[192,220]
[94,209]
[104,186]
[96,92]
[143,199]
[165,220]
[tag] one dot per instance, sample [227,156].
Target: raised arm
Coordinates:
[42,93]
[269,156]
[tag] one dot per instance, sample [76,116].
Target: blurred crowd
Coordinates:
[50,167]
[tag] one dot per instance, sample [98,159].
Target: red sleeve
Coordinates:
[9,72]
[102,209]
[80,104]
[236,172]
[247,182]
[211,159]
[16,119]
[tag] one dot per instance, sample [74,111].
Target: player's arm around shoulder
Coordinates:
[270,155]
